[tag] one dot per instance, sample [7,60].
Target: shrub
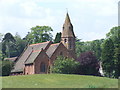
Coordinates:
[89,65]
[5,67]
[65,66]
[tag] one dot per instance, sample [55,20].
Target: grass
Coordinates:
[58,81]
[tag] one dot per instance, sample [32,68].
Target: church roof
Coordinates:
[32,56]
[52,49]
[28,55]
[68,28]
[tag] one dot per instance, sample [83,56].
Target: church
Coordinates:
[38,58]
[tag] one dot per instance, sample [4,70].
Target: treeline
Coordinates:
[105,50]
[12,46]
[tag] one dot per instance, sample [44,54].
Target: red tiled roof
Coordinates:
[39,43]
[20,64]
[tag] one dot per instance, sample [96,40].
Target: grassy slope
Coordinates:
[58,81]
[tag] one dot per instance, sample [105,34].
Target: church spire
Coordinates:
[68,36]
[67,19]
[68,27]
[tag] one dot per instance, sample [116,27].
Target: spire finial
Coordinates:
[67,19]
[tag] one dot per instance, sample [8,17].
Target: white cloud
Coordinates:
[93,16]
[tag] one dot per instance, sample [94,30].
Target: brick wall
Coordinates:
[42,58]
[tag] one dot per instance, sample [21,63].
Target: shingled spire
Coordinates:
[67,19]
[68,28]
[68,36]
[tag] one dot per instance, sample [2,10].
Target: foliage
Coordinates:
[8,42]
[94,46]
[6,67]
[1,55]
[12,46]
[111,53]
[39,34]
[20,44]
[108,57]
[89,64]
[58,81]
[65,66]
[57,38]
[117,61]
[1,35]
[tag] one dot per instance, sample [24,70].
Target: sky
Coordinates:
[91,19]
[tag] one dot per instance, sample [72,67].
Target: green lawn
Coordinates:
[58,81]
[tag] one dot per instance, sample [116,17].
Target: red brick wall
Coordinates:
[41,58]
[60,49]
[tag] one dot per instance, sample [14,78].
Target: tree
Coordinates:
[1,35]
[7,42]
[94,46]
[89,64]
[20,44]
[79,47]
[114,37]
[108,57]
[65,66]
[57,38]
[39,34]
[6,67]
[1,55]
[117,61]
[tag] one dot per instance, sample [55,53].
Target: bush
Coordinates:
[5,67]
[89,65]
[65,66]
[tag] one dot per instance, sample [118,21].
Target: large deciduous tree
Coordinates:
[111,53]
[39,34]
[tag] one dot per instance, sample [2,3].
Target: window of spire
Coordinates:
[65,40]
[69,27]
[63,28]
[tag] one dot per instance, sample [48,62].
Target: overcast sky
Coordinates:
[91,19]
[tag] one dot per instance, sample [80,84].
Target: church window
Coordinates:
[42,67]
[65,40]
[61,53]
[69,27]
[63,28]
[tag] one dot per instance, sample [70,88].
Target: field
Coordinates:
[58,81]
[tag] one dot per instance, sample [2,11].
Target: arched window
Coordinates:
[61,53]
[42,67]
[65,40]
[63,28]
